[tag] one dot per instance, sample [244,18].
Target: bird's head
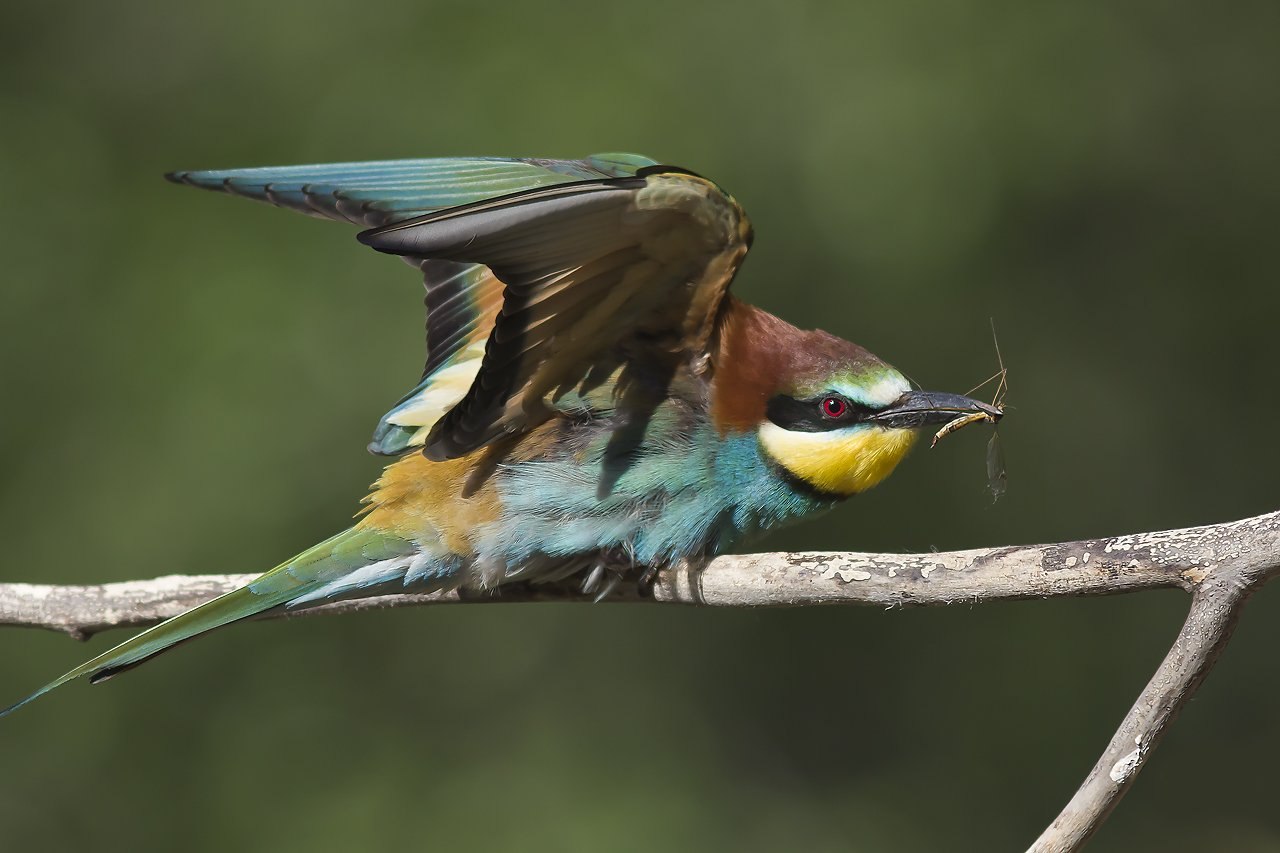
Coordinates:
[826,411]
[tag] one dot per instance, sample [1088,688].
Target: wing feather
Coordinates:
[377,193]
[462,298]
[625,272]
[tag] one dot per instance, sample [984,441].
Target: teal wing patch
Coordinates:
[374,194]
[462,298]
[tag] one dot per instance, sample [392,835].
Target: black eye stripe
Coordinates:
[808,415]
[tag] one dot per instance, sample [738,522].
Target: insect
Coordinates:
[997,472]
[960,423]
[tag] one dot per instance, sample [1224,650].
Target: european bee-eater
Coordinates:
[593,398]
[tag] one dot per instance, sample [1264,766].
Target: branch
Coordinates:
[1221,565]
[1209,624]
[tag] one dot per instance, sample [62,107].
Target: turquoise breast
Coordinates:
[685,491]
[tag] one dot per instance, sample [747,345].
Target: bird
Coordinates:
[594,401]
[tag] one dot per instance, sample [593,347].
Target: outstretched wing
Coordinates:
[374,194]
[462,298]
[620,273]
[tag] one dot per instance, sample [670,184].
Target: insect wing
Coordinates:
[997,473]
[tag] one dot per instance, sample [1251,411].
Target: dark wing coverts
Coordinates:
[621,273]
[607,262]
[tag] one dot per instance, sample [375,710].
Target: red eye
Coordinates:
[834,407]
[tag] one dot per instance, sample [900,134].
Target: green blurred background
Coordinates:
[188,382]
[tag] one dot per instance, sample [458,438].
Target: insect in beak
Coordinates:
[997,473]
[962,422]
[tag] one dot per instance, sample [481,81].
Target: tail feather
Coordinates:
[305,576]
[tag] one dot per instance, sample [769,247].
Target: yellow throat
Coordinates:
[840,462]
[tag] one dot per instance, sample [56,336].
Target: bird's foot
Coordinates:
[603,578]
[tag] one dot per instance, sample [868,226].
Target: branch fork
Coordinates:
[1220,565]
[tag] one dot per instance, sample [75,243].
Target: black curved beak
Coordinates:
[931,408]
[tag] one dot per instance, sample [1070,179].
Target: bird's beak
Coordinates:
[931,408]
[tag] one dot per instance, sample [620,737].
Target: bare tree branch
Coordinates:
[1221,565]
[1209,624]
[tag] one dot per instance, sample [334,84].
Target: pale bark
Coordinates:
[1220,565]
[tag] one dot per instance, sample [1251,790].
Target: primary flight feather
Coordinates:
[593,399]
